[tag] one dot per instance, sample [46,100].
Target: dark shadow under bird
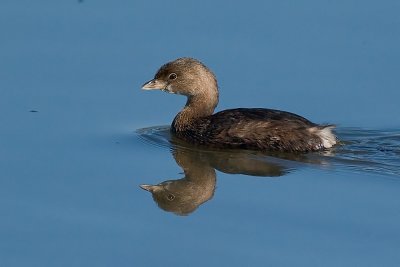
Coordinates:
[185,195]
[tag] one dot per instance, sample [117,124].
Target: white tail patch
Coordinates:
[327,137]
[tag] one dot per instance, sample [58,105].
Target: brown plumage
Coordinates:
[246,128]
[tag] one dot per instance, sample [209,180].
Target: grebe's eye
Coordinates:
[172,76]
[170,197]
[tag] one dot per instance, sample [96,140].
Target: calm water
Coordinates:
[78,137]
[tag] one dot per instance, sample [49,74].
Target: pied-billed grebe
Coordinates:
[247,128]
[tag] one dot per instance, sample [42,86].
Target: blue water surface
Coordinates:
[78,137]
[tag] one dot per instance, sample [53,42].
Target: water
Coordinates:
[359,150]
[78,137]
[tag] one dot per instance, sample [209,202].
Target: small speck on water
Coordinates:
[33,111]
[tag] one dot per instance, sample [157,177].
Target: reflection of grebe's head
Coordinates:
[175,196]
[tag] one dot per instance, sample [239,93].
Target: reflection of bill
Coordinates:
[183,196]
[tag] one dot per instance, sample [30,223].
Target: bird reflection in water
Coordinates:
[185,195]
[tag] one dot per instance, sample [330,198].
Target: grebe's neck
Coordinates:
[197,106]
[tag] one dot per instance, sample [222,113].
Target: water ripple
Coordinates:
[360,150]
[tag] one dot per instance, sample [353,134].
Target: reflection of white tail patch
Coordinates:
[325,133]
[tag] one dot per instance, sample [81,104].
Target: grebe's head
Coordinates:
[184,76]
